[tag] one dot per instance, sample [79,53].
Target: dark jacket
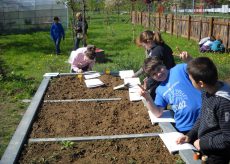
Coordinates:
[79,26]
[164,53]
[213,125]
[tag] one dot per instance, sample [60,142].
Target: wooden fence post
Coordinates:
[211,26]
[165,29]
[226,48]
[200,28]
[159,17]
[189,27]
[172,23]
[141,18]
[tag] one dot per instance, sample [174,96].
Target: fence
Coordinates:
[190,27]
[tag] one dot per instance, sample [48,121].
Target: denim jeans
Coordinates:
[77,42]
[57,45]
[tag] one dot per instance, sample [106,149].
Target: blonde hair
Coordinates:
[148,37]
[78,14]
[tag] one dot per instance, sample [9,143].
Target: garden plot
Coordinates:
[65,119]
[92,119]
[130,151]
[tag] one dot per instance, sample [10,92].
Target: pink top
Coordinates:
[77,57]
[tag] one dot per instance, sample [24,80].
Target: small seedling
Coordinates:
[67,144]
[132,161]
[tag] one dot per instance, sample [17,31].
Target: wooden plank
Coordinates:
[92,138]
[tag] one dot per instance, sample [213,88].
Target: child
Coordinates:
[206,45]
[57,33]
[82,59]
[154,45]
[176,90]
[217,46]
[211,132]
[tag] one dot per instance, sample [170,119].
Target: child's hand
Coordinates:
[185,56]
[197,144]
[144,93]
[79,71]
[182,139]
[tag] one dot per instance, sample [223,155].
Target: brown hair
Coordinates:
[90,52]
[203,69]
[150,64]
[149,36]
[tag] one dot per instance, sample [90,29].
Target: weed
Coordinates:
[132,161]
[67,145]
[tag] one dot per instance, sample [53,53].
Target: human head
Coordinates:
[149,37]
[90,52]
[56,19]
[78,15]
[202,70]
[155,68]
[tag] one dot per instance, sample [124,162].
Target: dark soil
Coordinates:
[74,119]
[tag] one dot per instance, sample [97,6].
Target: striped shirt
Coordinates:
[213,125]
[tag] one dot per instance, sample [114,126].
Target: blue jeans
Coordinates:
[77,42]
[57,45]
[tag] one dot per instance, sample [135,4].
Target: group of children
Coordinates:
[201,103]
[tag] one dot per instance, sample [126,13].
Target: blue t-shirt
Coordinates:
[185,100]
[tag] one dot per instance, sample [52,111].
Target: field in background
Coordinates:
[24,58]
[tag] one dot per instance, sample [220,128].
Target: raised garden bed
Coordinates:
[60,119]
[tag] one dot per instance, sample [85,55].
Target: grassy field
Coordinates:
[25,58]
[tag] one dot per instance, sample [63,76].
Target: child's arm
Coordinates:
[157,111]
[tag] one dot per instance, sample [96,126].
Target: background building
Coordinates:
[28,15]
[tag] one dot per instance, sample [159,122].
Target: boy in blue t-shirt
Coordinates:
[175,90]
[211,132]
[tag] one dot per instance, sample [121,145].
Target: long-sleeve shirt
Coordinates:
[77,57]
[213,125]
[57,31]
[163,52]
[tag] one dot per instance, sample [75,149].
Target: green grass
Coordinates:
[25,58]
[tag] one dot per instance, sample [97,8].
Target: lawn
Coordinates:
[24,58]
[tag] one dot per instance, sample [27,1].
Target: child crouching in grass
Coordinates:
[211,132]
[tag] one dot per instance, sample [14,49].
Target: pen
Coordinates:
[141,87]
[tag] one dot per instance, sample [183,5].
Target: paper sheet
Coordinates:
[92,75]
[91,83]
[166,117]
[132,81]
[126,74]
[134,96]
[169,140]
[51,74]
